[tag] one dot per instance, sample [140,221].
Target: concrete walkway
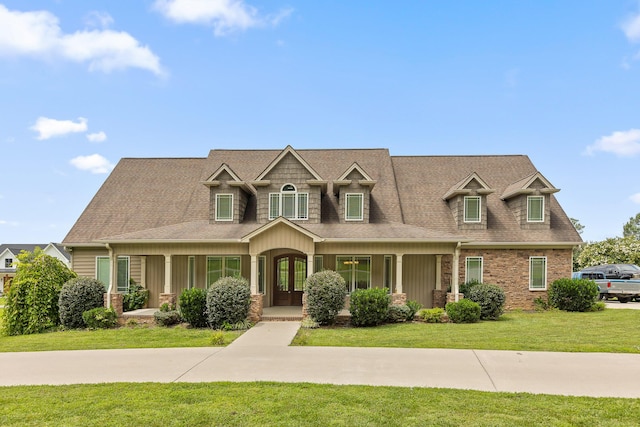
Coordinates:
[263,354]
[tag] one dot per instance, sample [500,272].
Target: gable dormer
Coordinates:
[353,190]
[467,200]
[529,199]
[289,187]
[228,196]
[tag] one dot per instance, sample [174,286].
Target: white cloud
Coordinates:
[97,19]
[631,28]
[48,128]
[97,137]
[9,223]
[38,34]
[225,16]
[94,163]
[621,143]
[635,198]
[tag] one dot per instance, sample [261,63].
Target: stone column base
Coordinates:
[398,299]
[170,299]
[255,310]
[451,297]
[116,302]
[439,298]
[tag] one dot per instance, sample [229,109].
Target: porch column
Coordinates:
[455,273]
[143,271]
[399,273]
[254,274]
[438,272]
[309,264]
[113,266]
[167,273]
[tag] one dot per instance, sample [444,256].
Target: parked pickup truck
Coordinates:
[621,281]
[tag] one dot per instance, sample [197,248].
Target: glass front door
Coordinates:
[290,274]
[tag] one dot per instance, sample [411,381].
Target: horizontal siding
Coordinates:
[83,260]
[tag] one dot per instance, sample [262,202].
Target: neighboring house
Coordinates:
[418,225]
[9,258]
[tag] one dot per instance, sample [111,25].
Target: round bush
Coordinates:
[491,299]
[398,313]
[77,296]
[167,318]
[193,307]
[463,311]
[573,294]
[369,307]
[100,318]
[465,288]
[325,292]
[228,301]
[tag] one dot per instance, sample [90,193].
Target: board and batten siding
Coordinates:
[419,278]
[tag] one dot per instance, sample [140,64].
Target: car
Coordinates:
[615,271]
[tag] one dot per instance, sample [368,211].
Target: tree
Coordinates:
[32,301]
[577,249]
[632,227]
[617,250]
[576,224]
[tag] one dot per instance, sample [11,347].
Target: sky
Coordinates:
[84,83]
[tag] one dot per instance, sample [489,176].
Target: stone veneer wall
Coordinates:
[116,302]
[255,310]
[171,299]
[509,269]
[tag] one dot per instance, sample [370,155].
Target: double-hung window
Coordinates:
[535,209]
[537,273]
[289,203]
[103,272]
[473,269]
[8,262]
[355,270]
[472,209]
[222,266]
[224,207]
[353,209]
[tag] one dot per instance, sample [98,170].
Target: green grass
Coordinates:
[609,331]
[125,337]
[276,404]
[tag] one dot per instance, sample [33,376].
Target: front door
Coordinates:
[290,274]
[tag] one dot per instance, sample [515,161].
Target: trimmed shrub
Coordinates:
[100,318]
[77,296]
[398,313]
[465,288]
[369,307]
[325,292]
[573,294]
[193,307]
[167,318]
[135,298]
[242,325]
[433,315]
[414,307]
[32,302]
[228,300]
[491,299]
[463,311]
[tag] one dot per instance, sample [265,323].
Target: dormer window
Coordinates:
[224,207]
[289,203]
[354,207]
[535,209]
[472,209]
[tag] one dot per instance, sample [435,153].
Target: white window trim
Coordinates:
[218,218]
[351,284]
[472,221]
[224,265]
[531,258]
[542,209]
[346,206]
[128,258]
[466,268]
[296,205]
[318,263]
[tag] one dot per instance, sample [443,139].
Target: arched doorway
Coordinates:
[290,272]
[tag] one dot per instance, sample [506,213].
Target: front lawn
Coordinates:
[609,331]
[124,337]
[276,404]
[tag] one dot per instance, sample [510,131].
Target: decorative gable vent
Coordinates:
[467,200]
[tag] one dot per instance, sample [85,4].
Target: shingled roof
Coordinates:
[164,199]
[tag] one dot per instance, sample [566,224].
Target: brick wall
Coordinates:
[509,269]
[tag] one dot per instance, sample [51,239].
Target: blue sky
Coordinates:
[85,83]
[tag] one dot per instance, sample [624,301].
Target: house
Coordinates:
[418,225]
[9,258]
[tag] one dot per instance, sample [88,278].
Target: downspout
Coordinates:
[456,272]
[110,287]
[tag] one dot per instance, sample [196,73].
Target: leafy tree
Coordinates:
[617,250]
[576,224]
[632,227]
[32,301]
[577,249]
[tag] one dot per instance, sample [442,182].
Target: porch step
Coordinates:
[276,318]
